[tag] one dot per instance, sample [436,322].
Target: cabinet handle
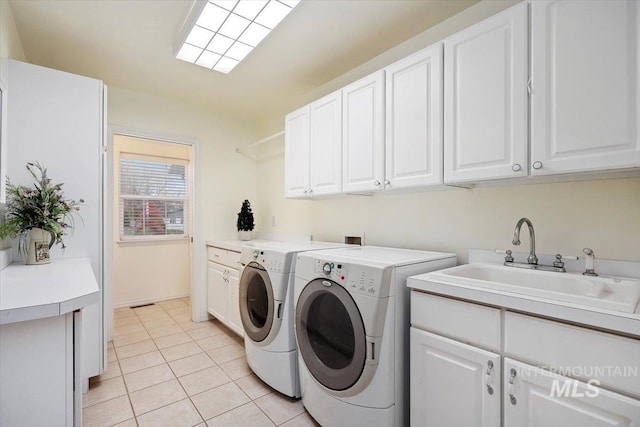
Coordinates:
[529,89]
[310,191]
[516,167]
[488,377]
[512,380]
[387,182]
[305,191]
[537,165]
[376,183]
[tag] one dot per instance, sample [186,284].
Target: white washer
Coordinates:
[352,330]
[266,310]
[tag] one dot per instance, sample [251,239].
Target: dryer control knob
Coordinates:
[326,268]
[255,254]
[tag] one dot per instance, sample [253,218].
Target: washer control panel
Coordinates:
[355,278]
[271,261]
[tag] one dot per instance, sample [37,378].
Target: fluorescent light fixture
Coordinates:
[218,34]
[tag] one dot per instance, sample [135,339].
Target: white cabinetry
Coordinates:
[313,148]
[585,113]
[485,92]
[363,134]
[223,279]
[325,143]
[413,143]
[296,153]
[554,374]
[536,397]
[57,119]
[453,384]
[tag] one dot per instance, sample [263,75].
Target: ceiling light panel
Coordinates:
[226,31]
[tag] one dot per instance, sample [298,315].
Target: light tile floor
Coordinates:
[165,370]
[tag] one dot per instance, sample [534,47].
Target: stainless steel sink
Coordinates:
[615,294]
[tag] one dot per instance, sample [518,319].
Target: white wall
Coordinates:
[602,214]
[223,179]
[10,47]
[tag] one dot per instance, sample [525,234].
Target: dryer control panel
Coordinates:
[355,278]
[271,261]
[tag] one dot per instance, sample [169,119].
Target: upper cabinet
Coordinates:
[485,92]
[413,143]
[584,69]
[363,134]
[296,153]
[325,143]
[313,149]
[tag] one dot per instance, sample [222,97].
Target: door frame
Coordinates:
[198,297]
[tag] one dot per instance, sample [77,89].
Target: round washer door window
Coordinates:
[330,334]
[256,302]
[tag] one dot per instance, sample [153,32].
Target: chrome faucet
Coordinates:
[532,259]
[589,263]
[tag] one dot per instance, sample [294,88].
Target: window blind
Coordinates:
[153,197]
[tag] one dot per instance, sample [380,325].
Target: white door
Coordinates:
[363,134]
[585,111]
[485,99]
[413,129]
[233,287]
[325,144]
[453,384]
[217,291]
[296,153]
[537,398]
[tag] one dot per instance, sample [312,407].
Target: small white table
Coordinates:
[40,332]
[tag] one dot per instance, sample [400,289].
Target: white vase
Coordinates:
[244,235]
[38,245]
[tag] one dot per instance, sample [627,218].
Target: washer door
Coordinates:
[330,334]
[256,302]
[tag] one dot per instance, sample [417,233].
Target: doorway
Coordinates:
[152,221]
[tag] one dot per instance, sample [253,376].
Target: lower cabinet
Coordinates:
[453,384]
[566,375]
[537,397]
[223,292]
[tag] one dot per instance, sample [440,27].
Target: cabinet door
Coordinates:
[485,99]
[217,291]
[296,153]
[234,320]
[537,398]
[585,110]
[325,144]
[363,134]
[413,143]
[453,384]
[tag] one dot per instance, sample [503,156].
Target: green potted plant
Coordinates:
[40,213]
[245,221]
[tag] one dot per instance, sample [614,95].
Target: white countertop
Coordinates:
[29,292]
[626,323]
[235,245]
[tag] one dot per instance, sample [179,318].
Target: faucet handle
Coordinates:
[558,263]
[509,257]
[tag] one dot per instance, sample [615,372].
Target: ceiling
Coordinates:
[130,44]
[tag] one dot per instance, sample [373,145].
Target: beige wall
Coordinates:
[603,215]
[10,47]
[224,178]
[147,271]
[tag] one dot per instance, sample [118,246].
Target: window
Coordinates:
[153,197]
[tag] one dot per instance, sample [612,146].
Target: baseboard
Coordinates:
[148,301]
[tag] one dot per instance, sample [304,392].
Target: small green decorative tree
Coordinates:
[245,217]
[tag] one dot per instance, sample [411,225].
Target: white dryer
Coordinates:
[266,310]
[352,330]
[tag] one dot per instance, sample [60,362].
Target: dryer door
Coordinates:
[330,334]
[256,302]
